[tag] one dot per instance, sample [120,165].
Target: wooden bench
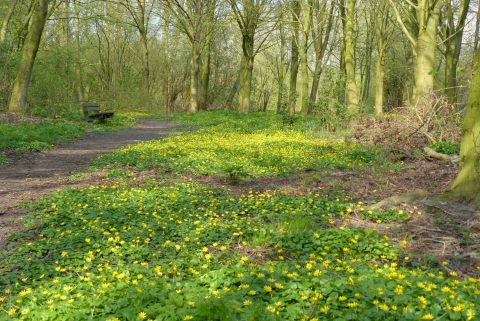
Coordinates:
[91,112]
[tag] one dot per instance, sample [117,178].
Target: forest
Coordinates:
[298,160]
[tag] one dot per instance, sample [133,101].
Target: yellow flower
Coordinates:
[188,317]
[470,315]
[142,315]
[342,298]
[427,317]
[252,292]
[384,307]
[247,302]
[325,309]
[267,288]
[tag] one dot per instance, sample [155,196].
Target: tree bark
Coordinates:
[466,186]
[321,36]
[6,21]
[18,99]
[294,64]
[307,17]
[245,85]
[351,82]
[79,89]
[453,44]
[379,81]
[194,78]
[205,74]
[424,59]
[246,70]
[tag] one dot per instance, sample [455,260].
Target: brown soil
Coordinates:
[33,175]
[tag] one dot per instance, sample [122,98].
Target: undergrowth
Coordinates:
[40,135]
[243,146]
[187,252]
[177,250]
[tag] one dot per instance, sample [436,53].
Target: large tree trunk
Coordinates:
[292,93]
[424,61]
[6,21]
[425,50]
[466,186]
[349,55]
[18,99]
[245,85]
[194,78]
[246,71]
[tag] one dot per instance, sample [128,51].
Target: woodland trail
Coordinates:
[34,175]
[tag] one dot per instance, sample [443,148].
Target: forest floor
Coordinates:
[246,217]
[30,175]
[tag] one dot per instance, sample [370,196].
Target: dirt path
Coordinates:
[37,174]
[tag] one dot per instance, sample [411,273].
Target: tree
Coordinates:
[294,57]
[349,56]
[453,25]
[383,33]
[419,21]
[466,186]
[141,12]
[306,11]
[6,21]
[192,17]
[18,98]
[252,17]
[321,31]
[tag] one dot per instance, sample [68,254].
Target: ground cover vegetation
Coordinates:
[40,133]
[325,165]
[170,248]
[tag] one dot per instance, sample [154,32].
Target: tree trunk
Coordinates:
[379,81]
[424,61]
[233,92]
[6,21]
[321,36]
[307,15]
[281,73]
[146,62]
[245,85]
[424,55]
[205,74]
[351,82]
[477,30]
[194,78]
[453,45]
[18,99]
[466,186]
[79,89]
[292,93]
[246,71]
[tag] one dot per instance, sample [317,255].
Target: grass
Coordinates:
[3,159]
[178,250]
[449,148]
[37,136]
